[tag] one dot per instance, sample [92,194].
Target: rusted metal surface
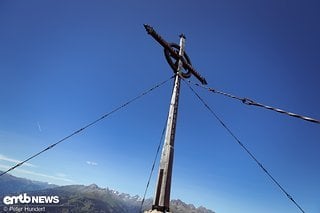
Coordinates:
[175,54]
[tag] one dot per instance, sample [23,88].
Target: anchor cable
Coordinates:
[88,125]
[153,165]
[243,146]
[251,102]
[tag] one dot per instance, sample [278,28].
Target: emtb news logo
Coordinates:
[26,199]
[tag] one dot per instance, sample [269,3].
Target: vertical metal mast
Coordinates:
[178,61]
[162,194]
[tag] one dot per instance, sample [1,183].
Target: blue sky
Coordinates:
[65,63]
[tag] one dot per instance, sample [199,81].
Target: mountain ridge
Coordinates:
[12,184]
[91,198]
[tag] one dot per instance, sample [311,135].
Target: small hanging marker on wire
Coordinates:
[171,51]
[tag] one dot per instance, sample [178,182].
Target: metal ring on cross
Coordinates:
[174,62]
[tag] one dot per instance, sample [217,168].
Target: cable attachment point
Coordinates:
[173,61]
[247,101]
[172,54]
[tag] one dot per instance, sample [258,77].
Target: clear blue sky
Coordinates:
[64,63]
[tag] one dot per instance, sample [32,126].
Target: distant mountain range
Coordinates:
[79,198]
[11,184]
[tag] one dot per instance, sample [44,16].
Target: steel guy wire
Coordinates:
[153,164]
[244,147]
[88,125]
[250,102]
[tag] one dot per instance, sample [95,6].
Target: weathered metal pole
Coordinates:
[161,201]
[162,193]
